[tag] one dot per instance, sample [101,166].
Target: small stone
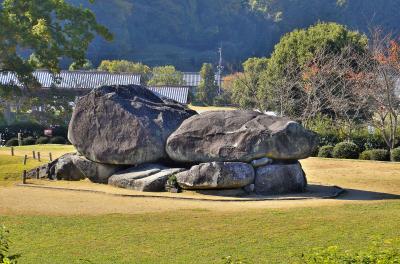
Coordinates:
[261,162]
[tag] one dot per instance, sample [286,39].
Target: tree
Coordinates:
[49,29]
[246,86]
[166,75]
[126,66]
[208,89]
[86,66]
[382,77]
[293,54]
[332,84]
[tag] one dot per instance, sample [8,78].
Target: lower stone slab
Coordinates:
[280,179]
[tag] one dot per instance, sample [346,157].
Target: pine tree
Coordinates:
[208,89]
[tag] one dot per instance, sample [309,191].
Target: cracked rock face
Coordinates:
[239,136]
[124,125]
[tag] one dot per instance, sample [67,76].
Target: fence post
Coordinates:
[37,174]
[33,154]
[12,151]
[38,156]
[24,177]
[50,157]
[25,159]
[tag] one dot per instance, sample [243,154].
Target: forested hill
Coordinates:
[187,33]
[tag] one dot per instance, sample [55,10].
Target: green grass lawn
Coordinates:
[200,236]
[262,235]
[56,150]
[11,167]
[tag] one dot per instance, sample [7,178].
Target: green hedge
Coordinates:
[380,155]
[42,140]
[376,154]
[13,142]
[346,150]
[365,155]
[28,141]
[326,152]
[395,155]
[58,140]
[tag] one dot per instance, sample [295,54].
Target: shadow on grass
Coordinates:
[313,191]
[361,195]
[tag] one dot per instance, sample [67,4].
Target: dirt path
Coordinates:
[22,200]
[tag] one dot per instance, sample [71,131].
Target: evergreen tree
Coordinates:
[208,89]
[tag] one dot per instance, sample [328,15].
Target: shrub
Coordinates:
[42,140]
[5,257]
[334,255]
[380,154]
[172,184]
[326,139]
[325,152]
[28,129]
[58,140]
[28,141]
[60,131]
[346,150]
[366,141]
[223,99]
[12,142]
[365,155]
[395,155]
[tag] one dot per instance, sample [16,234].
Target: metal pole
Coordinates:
[220,69]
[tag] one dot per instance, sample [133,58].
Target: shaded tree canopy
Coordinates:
[297,51]
[208,89]
[166,75]
[48,30]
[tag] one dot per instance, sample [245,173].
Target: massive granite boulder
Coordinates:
[216,175]
[124,125]
[239,136]
[280,178]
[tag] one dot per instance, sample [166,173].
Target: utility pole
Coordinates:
[220,68]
